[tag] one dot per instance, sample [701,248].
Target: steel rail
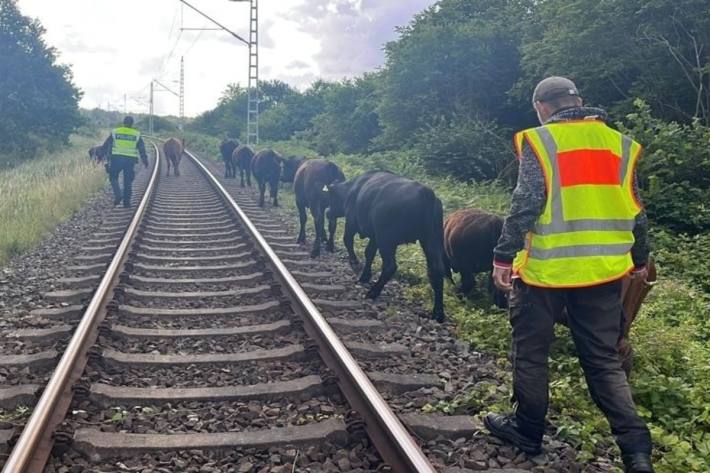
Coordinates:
[387,433]
[44,416]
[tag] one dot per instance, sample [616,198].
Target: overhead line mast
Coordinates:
[253,105]
[253,43]
[181,123]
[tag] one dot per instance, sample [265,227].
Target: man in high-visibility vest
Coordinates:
[123,146]
[576,227]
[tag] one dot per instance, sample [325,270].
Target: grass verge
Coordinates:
[37,195]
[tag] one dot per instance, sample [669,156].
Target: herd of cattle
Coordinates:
[388,210]
[391,210]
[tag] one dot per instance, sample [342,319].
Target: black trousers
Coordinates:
[125,165]
[594,317]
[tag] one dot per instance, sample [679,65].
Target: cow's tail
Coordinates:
[447,268]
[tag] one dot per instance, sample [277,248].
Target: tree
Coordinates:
[349,120]
[38,100]
[617,51]
[457,58]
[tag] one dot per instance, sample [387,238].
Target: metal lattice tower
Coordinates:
[253,105]
[182,93]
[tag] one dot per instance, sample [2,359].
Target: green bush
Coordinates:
[674,170]
[464,147]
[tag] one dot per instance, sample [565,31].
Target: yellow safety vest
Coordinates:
[584,236]
[125,142]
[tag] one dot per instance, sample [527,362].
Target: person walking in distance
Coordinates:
[123,146]
[576,227]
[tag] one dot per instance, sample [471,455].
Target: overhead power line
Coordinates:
[217,23]
[253,44]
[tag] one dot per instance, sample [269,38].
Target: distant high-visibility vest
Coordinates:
[585,234]
[125,142]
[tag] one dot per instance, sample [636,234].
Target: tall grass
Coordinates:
[38,195]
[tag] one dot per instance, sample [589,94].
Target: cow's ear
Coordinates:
[337,190]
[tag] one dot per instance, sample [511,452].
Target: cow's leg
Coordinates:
[370,252]
[167,160]
[302,217]
[317,212]
[468,282]
[332,226]
[262,191]
[388,253]
[248,172]
[435,270]
[349,243]
[176,167]
[274,191]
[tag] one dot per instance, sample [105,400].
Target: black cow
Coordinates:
[242,157]
[266,167]
[226,149]
[291,165]
[392,210]
[96,154]
[470,235]
[309,184]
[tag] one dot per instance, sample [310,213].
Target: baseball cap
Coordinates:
[553,88]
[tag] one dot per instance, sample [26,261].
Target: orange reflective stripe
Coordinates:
[518,144]
[589,166]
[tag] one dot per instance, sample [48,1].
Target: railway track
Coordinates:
[199,351]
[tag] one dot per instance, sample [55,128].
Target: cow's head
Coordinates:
[290,167]
[337,195]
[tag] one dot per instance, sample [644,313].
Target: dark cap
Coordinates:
[554,88]
[128,121]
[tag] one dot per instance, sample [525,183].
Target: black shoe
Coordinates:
[638,463]
[116,202]
[506,428]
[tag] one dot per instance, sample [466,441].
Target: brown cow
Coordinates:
[309,183]
[266,167]
[173,150]
[470,235]
[241,158]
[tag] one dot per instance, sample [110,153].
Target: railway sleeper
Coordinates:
[98,445]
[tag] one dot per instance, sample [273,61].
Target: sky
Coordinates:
[116,48]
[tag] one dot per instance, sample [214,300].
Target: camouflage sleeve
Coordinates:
[641,249]
[527,205]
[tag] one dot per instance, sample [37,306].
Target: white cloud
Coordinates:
[116,48]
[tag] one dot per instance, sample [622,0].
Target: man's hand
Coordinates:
[502,278]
